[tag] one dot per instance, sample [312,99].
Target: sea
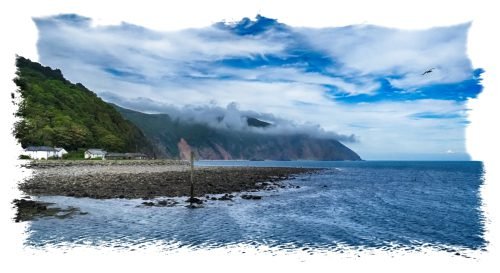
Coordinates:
[387,205]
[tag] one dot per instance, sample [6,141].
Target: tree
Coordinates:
[55,112]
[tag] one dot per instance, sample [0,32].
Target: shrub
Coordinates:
[74,155]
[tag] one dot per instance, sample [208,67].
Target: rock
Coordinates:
[226,197]
[161,203]
[251,197]
[194,206]
[194,200]
[29,210]
[22,204]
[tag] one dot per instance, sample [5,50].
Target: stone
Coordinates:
[251,197]
[194,206]
[162,203]
[225,197]
[194,200]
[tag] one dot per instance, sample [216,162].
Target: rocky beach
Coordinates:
[148,179]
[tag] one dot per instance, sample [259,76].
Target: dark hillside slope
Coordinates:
[56,112]
[176,139]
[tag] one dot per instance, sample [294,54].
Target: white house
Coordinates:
[60,152]
[95,153]
[39,152]
[44,152]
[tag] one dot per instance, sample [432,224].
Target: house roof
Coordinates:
[96,151]
[39,149]
[115,154]
[126,155]
[136,154]
[58,149]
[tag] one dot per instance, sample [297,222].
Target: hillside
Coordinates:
[176,139]
[56,112]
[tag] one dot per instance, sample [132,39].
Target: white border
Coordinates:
[19,36]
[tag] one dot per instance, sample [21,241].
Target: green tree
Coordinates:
[55,112]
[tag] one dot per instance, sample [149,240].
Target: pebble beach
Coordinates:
[147,179]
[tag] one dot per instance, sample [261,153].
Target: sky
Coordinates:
[361,84]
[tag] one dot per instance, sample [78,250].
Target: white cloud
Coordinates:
[180,68]
[388,127]
[153,54]
[293,74]
[366,50]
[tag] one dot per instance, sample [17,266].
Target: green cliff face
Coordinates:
[56,112]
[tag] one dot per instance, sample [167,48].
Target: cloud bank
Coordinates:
[229,117]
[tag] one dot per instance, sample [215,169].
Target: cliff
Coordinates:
[177,139]
[56,112]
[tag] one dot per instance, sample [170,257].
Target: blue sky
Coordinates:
[361,84]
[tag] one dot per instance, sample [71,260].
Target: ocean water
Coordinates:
[369,204]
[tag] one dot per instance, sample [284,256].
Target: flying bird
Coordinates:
[428,71]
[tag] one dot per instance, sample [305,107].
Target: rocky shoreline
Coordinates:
[29,209]
[148,179]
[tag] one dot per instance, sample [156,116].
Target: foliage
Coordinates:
[55,112]
[24,157]
[75,155]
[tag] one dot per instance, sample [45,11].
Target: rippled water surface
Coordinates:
[355,204]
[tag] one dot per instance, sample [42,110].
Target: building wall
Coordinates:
[61,153]
[39,154]
[44,154]
[90,156]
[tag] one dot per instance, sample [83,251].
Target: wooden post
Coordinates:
[192,182]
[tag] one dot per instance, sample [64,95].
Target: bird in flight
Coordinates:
[428,71]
